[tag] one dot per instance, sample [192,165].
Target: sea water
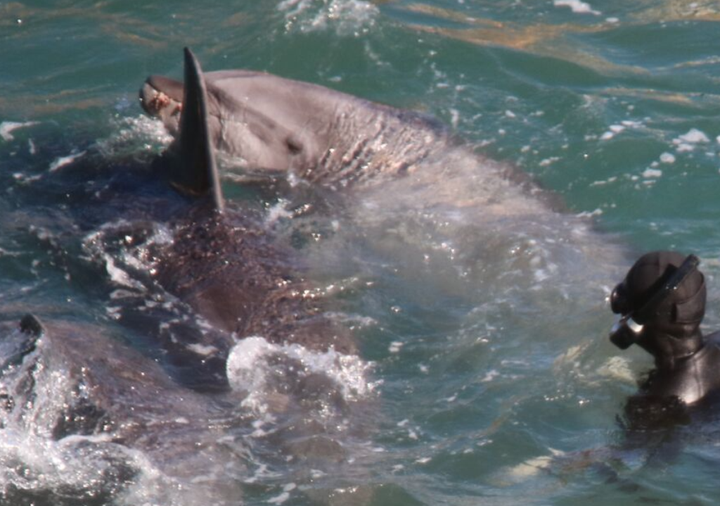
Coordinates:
[480,308]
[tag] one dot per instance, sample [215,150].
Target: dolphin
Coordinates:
[74,384]
[279,126]
[72,388]
[390,157]
[220,261]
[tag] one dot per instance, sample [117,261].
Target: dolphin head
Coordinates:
[162,97]
[184,111]
[274,125]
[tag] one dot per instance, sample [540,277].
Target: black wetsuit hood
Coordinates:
[662,303]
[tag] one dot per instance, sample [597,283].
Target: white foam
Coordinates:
[590,214]
[277,212]
[58,163]
[577,6]
[7,127]
[131,256]
[30,458]
[530,467]
[687,142]
[684,147]
[667,158]
[43,388]
[490,375]
[613,130]
[47,464]
[118,275]
[618,128]
[395,347]
[280,498]
[549,161]
[651,173]
[204,350]
[346,17]
[135,133]
[631,124]
[252,366]
[694,136]
[285,495]
[617,368]
[352,320]
[454,118]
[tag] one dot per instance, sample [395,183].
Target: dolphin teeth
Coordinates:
[154,101]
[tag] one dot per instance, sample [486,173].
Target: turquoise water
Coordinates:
[489,378]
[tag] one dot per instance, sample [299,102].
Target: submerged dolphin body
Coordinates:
[278,125]
[77,394]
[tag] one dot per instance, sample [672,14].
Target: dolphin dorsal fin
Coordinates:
[197,173]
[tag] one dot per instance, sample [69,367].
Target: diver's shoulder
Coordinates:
[700,374]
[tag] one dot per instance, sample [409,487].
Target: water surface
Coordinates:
[485,374]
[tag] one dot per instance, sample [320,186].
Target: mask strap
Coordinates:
[646,312]
[692,309]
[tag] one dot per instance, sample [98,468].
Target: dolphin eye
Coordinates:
[293,146]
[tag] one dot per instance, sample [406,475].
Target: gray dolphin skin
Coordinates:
[81,387]
[100,399]
[197,172]
[241,283]
[222,264]
[279,125]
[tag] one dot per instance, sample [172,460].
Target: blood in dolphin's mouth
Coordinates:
[158,102]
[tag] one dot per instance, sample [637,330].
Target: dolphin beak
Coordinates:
[183,109]
[161,97]
[170,87]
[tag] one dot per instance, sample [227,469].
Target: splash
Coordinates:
[132,135]
[346,17]
[7,127]
[30,457]
[75,424]
[125,249]
[577,6]
[62,161]
[688,141]
[264,370]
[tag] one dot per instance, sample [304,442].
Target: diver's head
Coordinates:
[661,302]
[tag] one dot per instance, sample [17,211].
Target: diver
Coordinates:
[661,303]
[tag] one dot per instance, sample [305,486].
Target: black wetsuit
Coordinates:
[669,397]
[692,378]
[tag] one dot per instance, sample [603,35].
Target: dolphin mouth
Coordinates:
[161,96]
